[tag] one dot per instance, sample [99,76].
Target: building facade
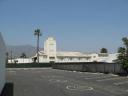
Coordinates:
[50,54]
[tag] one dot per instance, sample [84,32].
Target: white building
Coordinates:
[50,53]
[21,60]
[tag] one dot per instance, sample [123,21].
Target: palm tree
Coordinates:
[38,34]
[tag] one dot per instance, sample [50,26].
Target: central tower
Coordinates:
[50,48]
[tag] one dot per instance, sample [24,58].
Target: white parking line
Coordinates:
[107,79]
[79,88]
[12,72]
[121,83]
[89,76]
[26,68]
[126,90]
[58,81]
[95,77]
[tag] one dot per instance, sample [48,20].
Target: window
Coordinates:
[51,58]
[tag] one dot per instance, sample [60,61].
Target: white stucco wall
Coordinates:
[2,63]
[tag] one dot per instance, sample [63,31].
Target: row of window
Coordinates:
[70,59]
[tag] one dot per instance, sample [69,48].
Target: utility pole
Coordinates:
[11,56]
[38,34]
[7,54]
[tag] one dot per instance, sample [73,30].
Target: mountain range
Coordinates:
[16,51]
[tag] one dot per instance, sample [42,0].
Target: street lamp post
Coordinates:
[38,34]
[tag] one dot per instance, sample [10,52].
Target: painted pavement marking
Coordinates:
[12,72]
[108,79]
[91,75]
[126,90]
[121,83]
[95,77]
[77,87]
[58,81]
[26,68]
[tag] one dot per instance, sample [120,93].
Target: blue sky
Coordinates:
[77,25]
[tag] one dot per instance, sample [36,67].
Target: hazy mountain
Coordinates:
[18,50]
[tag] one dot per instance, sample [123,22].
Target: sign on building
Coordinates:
[2,63]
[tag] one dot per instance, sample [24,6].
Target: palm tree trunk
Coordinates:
[38,49]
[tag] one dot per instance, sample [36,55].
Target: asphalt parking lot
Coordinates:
[52,82]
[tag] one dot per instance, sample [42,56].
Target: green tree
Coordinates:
[123,54]
[23,55]
[103,50]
